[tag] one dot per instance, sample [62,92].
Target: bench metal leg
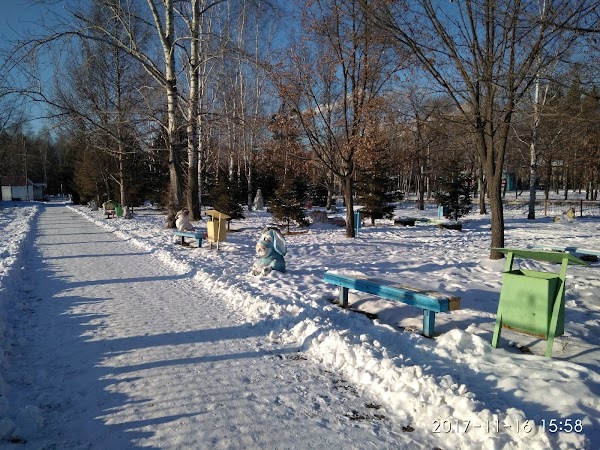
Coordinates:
[343,300]
[497,329]
[428,323]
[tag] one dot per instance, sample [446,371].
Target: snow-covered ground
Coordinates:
[453,391]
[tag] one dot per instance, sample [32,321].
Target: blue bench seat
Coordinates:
[198,235]
[430,302]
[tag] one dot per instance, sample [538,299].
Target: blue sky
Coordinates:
[19,15]
[20,18]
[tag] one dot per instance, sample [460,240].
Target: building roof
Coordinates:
[15,180]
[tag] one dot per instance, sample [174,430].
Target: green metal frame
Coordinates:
[557,303]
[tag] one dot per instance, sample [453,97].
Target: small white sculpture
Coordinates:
[127,212]
[259,203]
[182,221]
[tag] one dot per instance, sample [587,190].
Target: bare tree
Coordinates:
[96,93]
[165,28]
[193,20]
[333,86]
[121,30]
[254,47]
[163,16]
[422,115]
[485,55]
[536,110]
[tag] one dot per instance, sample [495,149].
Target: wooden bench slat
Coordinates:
[198,235]
[430,302]
[194,234]
[433,301]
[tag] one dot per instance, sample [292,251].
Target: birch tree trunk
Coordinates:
[192,193]
[166,34]
[533,148]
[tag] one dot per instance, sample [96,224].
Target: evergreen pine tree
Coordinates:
[372,188]
[224,199]
[288,202]
[455,193]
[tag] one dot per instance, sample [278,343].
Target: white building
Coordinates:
[19,188]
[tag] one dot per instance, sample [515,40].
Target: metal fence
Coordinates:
[555,207]
[583,208]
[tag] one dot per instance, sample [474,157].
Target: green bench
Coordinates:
[190,234]
[430,302]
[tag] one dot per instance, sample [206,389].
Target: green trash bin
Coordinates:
[527,300]
[118,210]
[533,302]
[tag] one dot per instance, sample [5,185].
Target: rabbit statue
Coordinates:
[270,249]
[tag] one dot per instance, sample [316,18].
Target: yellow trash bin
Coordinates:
[216,227]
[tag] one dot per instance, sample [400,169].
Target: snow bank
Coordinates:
[15,223]
[454,386]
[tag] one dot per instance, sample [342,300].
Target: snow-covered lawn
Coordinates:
[455,387]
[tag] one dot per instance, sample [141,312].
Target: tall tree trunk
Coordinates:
[566,180]
[548,177]
[347,186]
[167,38]
[193,200]
[533,148]
[497,216]
[201,161]
[483,190]
[330,180]
[421,202]
[107,187]
[491,144]
[122,175]
[120,132]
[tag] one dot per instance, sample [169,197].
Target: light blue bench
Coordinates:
[190,234]
[430,302]
[576,251]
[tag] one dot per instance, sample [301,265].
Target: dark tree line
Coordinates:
[199,103]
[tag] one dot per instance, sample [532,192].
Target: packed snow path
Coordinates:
[116,350]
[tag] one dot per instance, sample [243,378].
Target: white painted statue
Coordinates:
[182,221]
[127,212]
[259,203]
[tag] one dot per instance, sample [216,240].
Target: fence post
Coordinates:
[580,207]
